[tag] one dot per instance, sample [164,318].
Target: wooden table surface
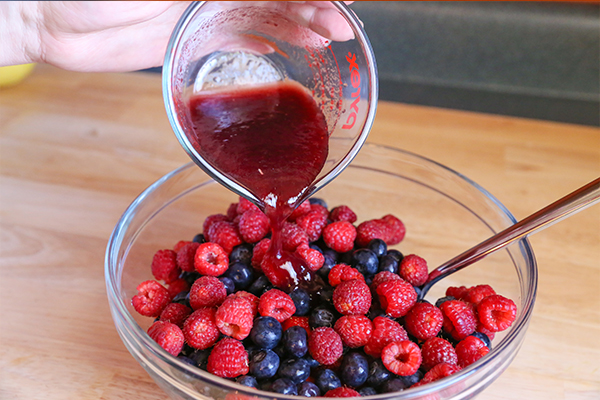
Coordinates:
[76,149]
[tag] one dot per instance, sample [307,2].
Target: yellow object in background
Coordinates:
[14,74]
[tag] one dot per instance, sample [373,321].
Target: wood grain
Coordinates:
[75,150]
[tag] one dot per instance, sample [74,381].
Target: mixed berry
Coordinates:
[362,332]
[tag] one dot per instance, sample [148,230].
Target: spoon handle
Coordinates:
[571,203]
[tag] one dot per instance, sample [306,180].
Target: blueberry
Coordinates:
[321,317]
[186,360]
[315,247]
[241,275]
[241,253]
[260,285]
[328,380]
[393,385]
[311,361]
[284,386]
[326,295]
[396,254]
[418,291]
[182,298]
[484,338]
[301,300]
[190,277]
[377,246]
[266,332]
[442,300]
[295,369]
[247,380]
[295,341]
[229,284]
[199,238]
[388,263]
[308,389]
[200,358]
[280,350]
[330,259]
[317,200]
[367,391]
[411,379]
[378,373]
[365,261]
[354,369]
[264,364]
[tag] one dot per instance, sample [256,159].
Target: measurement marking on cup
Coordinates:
[355,82]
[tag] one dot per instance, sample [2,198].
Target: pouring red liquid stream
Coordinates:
[273,140]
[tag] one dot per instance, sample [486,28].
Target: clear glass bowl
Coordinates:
[444,213]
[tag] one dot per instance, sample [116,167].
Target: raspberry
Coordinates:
[342,213]
[457,292]
[369,230]
[320,208]
[413,269]
[185,256]
[225,235]
[175,313]
[402,358]
[395,229]
[381,277]
[151,299]
[385,331]
[340,236]
[168,336]
[235,317]
[477,293]
[396,297]
[440,371]
[343,272]
[352,298]
[277,304]
[424,321]
[177,286]
[325,345]
[355,330]
[295,320]
[437,350]
[228,359]
[211,219]
[164,266]
[207,291]
[231,212]
[302,209]
[211,259]
[496,312]
[459,318]
[293,236]
[481,329]
[200,329]
[313,224]
[249,297]
[244,205]
[469,350]
[258,253]
[253,226]
[342,391]
[179,245]
[314,259]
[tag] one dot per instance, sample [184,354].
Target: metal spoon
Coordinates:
[566,206]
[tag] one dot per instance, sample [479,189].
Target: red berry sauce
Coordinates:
[273,140]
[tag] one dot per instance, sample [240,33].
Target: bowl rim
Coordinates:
[125,320]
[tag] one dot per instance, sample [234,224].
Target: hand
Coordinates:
[117,35]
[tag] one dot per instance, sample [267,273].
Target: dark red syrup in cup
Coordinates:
[273,140]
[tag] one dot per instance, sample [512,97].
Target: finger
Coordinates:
[324,19]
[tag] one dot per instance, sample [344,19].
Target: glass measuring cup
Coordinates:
[218,45]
